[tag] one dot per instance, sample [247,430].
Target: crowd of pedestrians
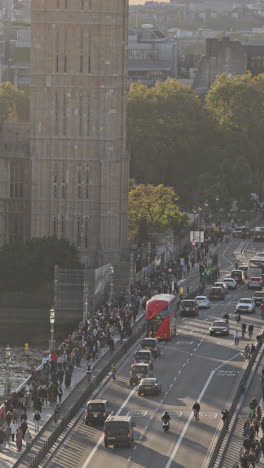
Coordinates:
[253,434]
[46,385]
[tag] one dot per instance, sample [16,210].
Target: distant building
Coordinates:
[226,56]
[151,56]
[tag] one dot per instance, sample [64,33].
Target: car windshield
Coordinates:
[245,301]
[144,355]
[187,304]
[95,407]
[200,298]
[139,369]
[148,343]
[255,278]
[219,324]
[231,280]
[148,381]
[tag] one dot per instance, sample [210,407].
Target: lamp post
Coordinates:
[205,213]
[149,257]
[111,294]
[52,321]
[217,204]
[8,361]
[132,269]
[194,218]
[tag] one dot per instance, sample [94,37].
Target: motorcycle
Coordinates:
[165,426]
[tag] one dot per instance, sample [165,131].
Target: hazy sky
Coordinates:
[140,2]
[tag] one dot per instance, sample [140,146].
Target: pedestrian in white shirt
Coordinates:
[236,337]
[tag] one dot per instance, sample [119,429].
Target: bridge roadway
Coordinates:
[192,366]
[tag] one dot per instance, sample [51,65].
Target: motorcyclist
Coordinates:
[226,317]
[243,329]
[165,417]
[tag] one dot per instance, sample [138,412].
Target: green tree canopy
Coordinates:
[237,105]
[157,206]
[26,266]
[169,134]
[14,102]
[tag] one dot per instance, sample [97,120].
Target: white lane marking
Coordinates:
[182,434]
[89,458]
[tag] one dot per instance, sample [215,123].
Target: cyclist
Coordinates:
[237,316]
[250,330]
[196,410]
[226,317]
[114,372]
[247,351]
[243,329]
[56,412]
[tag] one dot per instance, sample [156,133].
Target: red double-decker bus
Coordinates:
[161,313]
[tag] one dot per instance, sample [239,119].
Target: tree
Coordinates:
[237,103]
[26,266]
[14,103]
[169,134]
[157,205]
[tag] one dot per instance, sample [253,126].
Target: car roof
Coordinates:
[245,298]
[97,401]
[259,292]
[216,287]
[200,297]
[149,339]
[112,418]
[140,364]
[141,351]
[188,300]
[228,278]
[152,379]
[220,321]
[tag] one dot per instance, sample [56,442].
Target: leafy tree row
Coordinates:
[200,149]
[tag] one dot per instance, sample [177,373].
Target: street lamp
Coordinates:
[111,295]
[149,257]
[8,361]
[52,321]
[132,269]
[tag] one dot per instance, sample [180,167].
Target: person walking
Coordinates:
[8,435]
[24,428]
[36,420]
[13,429]
[236,337]
[8,418]
[19,439]
[28,438]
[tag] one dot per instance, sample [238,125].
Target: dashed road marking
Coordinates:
[137,413]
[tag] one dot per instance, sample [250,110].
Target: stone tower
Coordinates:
[78,147]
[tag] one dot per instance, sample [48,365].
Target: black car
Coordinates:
[139,371]
[258,297]
[149,387]
[97,411]
[219,327]
[216,293]
[189,307]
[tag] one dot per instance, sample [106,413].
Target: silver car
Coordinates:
[230,282]
[203,302]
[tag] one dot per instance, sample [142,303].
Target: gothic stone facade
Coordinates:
[78,125]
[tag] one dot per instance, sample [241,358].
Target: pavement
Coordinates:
[9,456]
